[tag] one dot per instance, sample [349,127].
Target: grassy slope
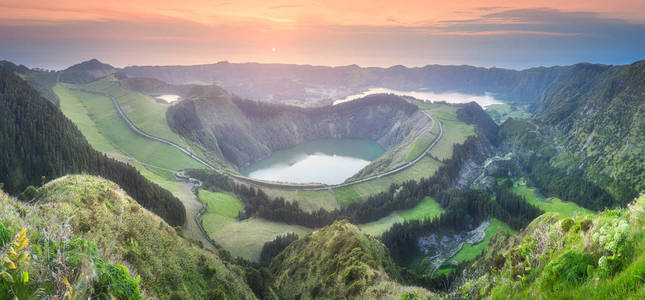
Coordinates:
[428,208]
[500,112]
[241,238]
[552,204]
[98,210]
[73,109]
[337,262]
[102,124]
[145,112]
[454,131]
[418,147]
[221,203]
[614,268]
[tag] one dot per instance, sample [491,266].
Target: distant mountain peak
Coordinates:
[87,71]
[90,64]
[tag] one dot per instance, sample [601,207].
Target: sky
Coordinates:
[517,34]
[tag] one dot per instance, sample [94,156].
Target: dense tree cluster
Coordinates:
[463,210]
[568,184]
[210,179]
[273,248]
[37,140]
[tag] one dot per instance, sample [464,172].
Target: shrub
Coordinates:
[78,250]
[567,224]
[29,193]
[5,235]
[351,274]
[570,268]
[499,261]
[611,236]
[115,281]
[586,224]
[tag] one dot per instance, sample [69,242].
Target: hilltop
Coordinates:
[337,261]
[113,227]
[86,72]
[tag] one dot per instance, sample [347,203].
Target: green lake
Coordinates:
[328,161]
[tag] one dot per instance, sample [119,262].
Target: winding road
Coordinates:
[317,188]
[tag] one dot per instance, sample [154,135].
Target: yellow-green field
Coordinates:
[425,167]
[221,203]
[454,131]
[418,147]
[241,238]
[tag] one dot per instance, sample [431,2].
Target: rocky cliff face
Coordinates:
[247,131]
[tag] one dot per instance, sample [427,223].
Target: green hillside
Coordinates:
[84,229]
[337,261]
[39,143]
[585,257]
[596,117]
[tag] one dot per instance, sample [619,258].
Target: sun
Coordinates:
[273,49]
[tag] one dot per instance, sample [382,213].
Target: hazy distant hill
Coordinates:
[307,84]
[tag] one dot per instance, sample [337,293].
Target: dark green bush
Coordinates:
[568,269]
[586,224]
[5,235]
[351,274]
[115,280]
[30,193]
[567,224]
[77,250]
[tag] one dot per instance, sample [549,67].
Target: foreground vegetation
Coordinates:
[557,257]
[79,223]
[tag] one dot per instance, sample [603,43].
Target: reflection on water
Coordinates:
[168,98]
[328,161]
[452,97]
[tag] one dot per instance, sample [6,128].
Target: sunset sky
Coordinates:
[514,34]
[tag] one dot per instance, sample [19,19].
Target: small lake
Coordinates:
[450,97]
[328,161]
[168,98]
